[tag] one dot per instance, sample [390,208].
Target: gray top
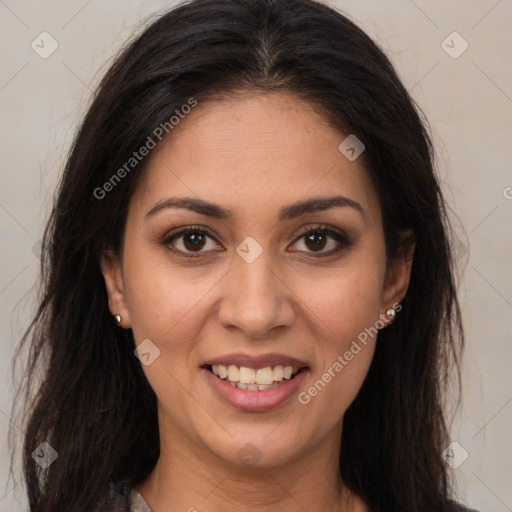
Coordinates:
[138,503]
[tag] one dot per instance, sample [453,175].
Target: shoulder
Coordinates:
[457,507]
[122,497]
[116,499]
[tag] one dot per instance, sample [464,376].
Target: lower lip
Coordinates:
[255,400]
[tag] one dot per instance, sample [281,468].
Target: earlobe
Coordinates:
[397,282]
[112,274]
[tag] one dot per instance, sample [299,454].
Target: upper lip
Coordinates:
[259,361]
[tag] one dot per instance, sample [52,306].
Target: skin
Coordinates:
[253,154]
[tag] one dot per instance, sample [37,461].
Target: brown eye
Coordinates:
[189,240]
[322,242]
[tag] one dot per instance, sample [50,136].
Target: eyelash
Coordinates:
[339,236]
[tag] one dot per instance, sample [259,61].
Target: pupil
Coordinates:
[313,237]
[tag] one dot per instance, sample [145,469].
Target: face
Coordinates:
[284,273]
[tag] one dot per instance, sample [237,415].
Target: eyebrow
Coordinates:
[286,213]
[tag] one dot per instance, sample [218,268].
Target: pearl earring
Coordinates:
[118,319]
[391,313]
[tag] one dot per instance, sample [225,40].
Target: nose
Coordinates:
[256,300]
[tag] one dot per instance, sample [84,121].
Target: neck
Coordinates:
[189,478]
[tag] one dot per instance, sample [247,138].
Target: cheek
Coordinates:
[164,303]
[160,296]
[342,308]
[342,302]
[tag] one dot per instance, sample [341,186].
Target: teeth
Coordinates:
[264,375]
[278,373]
[252,379]
[253,387]
[223,371]
[247,375]
[233,373]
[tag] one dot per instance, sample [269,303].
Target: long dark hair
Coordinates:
[92,402]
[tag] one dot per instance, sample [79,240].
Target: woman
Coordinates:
[248,296]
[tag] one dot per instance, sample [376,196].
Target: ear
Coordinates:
[398,276]
[112,273]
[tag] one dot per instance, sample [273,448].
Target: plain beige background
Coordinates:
[467,99]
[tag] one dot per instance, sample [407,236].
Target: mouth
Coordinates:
[255,379]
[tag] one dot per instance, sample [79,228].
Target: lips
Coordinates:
[255,400]
[282,375]
[260,361]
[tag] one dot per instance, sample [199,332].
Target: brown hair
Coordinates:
[94,404]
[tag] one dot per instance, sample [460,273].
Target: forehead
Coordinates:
[252,151]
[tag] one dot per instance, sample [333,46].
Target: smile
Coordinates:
[254,379]
[252,396]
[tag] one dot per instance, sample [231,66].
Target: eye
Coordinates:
[189,240]
[321,237]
